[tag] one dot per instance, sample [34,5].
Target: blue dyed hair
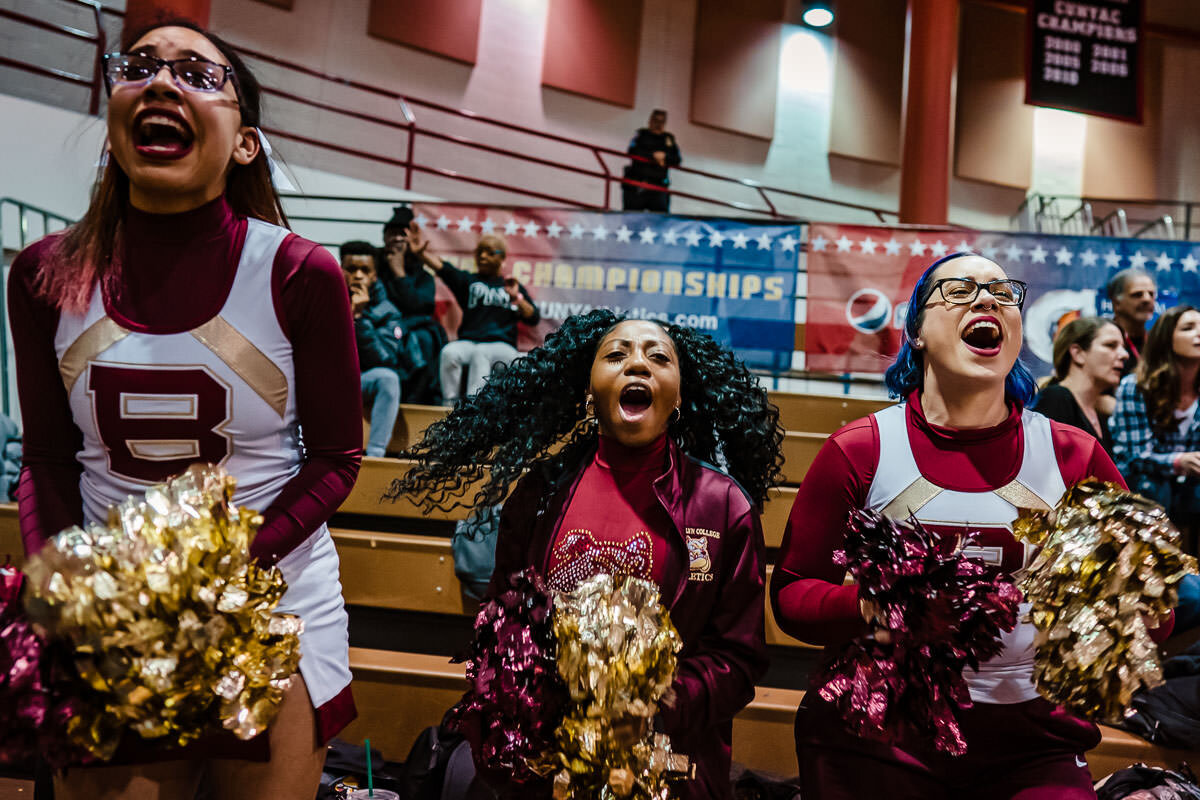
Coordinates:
[907,372]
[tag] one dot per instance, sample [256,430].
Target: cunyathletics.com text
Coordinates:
[557,310]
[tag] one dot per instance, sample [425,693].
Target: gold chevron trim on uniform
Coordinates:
[912,499]
[251,364]
[101,335]
[1022,496]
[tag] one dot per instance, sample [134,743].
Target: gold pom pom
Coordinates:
[616,654]
[173,626]
[1110,561]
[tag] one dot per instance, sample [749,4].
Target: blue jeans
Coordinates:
[381,388]
[1187,613]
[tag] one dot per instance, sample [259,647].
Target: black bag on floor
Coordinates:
[751,784]
[1169,715]
[425,768]
[1162,784]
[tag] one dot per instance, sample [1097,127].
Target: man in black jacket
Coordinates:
[412,290]
[660,151]
[379,334]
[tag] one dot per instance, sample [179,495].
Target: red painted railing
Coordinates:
[605,175]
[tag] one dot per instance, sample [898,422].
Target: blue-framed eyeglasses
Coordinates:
[192,74]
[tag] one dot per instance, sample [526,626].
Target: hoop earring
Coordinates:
[589,410]
[678,415]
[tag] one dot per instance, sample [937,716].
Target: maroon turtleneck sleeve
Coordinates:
[48,494]
[178,270]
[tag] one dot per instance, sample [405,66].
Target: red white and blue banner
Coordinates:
[735,280]
[860,279]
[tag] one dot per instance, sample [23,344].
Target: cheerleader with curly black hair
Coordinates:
[611,431]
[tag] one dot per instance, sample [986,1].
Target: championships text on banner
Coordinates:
[735,281]
[860,279]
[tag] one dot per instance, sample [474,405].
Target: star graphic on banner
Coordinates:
[1013,252]
[716,239]
[764,242]
[739,241]
[892,247]
[599,232]
[1112,258]
[1063,256]
[916,247]
[1163,263]
[692,238]
[421,220]
[465,224]
[990,252]
[789,243]
[868,245]
[553,229]
[963,247]
[511,227]
[671,236]
[1038,255]
[844,244]
[576,231]
[648,235]
[1189,263]
[818,244]
[938,249]
[1088,257]
[487,227]
[624,234]
[1137,260]
[531,229]
[443,223]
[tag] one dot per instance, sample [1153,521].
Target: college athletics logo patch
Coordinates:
[699,562]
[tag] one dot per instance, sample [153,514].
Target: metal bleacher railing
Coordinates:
[600,179]
[1094,216]
[20,224]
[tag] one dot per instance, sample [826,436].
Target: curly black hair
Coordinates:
[531,413]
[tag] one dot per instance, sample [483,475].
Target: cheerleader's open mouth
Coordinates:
[983,336]
[161,134]
[635,400]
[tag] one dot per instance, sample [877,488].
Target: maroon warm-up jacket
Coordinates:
[716,602]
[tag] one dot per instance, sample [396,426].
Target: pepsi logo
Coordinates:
[868,310]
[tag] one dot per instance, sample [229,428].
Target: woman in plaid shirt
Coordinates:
[1156,427]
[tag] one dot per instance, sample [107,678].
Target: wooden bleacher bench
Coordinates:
[400,694]
[416,573]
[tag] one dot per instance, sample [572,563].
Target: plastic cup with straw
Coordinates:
[371,793]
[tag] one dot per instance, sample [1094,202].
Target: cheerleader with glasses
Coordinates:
[962,454]
[178,322]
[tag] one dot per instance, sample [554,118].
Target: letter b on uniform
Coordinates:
[156,422]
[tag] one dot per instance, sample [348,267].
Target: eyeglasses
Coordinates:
[192,74]
[496,251]
[964,291]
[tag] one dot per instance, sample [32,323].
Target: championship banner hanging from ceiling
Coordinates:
[860,279]
[1086,56]
[733,280]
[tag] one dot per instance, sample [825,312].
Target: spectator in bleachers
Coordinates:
[492,305]
[1156,426]
[1132,292]
[413,291]
[661,151]
[379,335]
[648,408]
[1156,433]
[1089,354]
